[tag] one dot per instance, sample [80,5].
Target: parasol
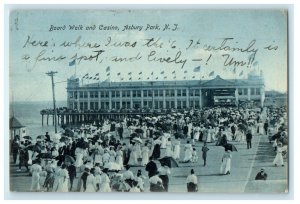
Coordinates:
[70,159]
[168,161]
[230,147]
[63,139]
[133,135]
[27,137]
[158,133]
[42,137]
[139,130]
[136,139]
[45,155]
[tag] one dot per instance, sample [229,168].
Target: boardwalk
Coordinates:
[245,164]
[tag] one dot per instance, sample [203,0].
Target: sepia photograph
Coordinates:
[142,101]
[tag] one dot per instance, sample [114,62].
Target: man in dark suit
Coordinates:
[249,139]
[72,173]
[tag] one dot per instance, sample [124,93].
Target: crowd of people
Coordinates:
[100,156]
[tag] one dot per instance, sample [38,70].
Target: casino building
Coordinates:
[165,94]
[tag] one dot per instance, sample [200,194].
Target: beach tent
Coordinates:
[16,128]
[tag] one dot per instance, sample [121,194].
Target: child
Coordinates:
[194,156]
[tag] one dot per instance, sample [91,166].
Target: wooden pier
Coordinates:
[78,118]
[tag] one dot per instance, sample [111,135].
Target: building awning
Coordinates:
[14,123]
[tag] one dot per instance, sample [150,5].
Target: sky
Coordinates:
[228,43]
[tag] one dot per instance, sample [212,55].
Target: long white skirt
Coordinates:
[225,166]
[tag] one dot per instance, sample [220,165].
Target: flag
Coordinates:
[122,79]
[162,72]
[139,78]
[140,73]
[165,77]
[119,74]
[197,69]
[129,73]
[97,74]
[95,78]
[72,63]
[130,78]
[211,73]
[85,76]
[242,72]
[151,73]
[185,71]
[173,72]
[156,78]
[98,78]
[174,77]
[91,78]
[108,74]
[148,78]
[108,69]
[184,77]
[234,70]
[193,77]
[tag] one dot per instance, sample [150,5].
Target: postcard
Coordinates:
[149,101]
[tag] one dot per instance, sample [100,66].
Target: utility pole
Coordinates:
[51,74]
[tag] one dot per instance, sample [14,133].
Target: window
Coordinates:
[145,93]
[183,92]
[96,106]
[172,93]
[155,92]
[85,94]
[257,91]
[252,91]
[75,94]
[92,106]
[113,94]
[85,105]
[179,92]
[102,94]
[80,95]
[197,92]
[161,92]
[117,93]
[240,91]
[134,93]
[245,91]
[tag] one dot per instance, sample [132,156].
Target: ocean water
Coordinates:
[28,113]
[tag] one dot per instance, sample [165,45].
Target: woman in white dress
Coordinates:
[260,126]
[196,133]
[36,170]
[278,161]
[133,158]
[79,157]
[105,183]
[91,183]
[176,154]
[169,152]
[226,163]
[63,179]
[145,155]
[119,157]
[188,154]
[163,142]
